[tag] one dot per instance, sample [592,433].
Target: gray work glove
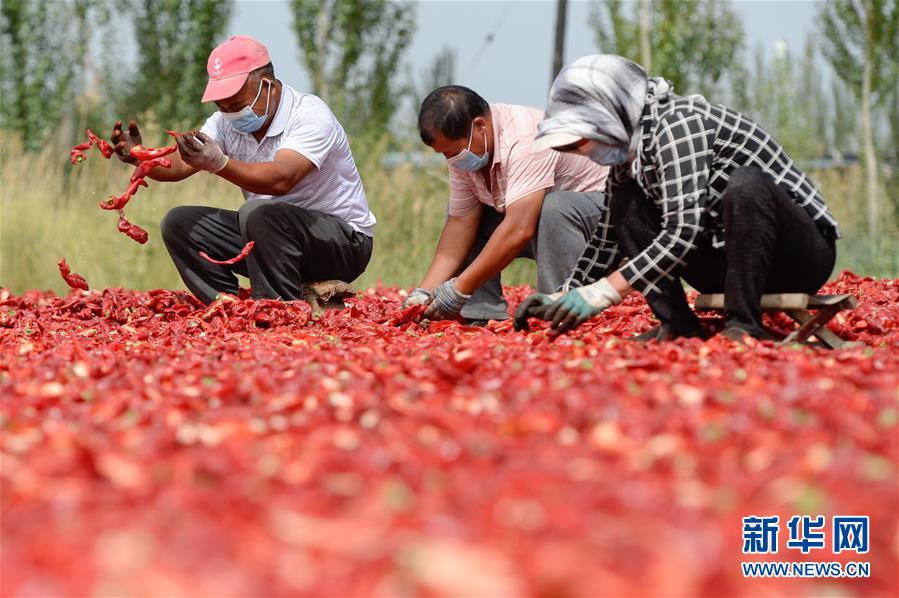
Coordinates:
[418,296]
[448,302]
[201,152]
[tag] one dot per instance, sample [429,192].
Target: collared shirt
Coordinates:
[688,150]
[303,123]
[515,172]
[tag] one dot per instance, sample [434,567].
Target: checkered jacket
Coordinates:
[688,150]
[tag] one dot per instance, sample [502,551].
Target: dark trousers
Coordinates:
[292,245]
[567,221]
[771,246]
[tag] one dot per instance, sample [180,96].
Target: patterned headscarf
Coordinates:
[600,97]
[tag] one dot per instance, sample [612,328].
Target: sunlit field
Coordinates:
[48,210]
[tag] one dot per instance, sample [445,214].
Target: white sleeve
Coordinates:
[213,128]
[314,133]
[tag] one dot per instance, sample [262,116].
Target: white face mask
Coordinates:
[245,120]
[467,159]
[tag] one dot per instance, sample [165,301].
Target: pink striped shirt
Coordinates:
[515,171]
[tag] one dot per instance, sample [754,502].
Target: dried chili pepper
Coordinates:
[143,169]
[104,148]
[148,153]
[243,253]
[479,451]
[132,230]
[92,136]
[120,201]
[76,281]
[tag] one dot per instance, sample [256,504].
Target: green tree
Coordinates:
[786,97]
[175,38]
[692,44]
[353,50]
[37,67]
[441,71]
[860,39]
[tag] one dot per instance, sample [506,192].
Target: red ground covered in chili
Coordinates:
[152,445]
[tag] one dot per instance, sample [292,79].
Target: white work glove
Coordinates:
[579,305]
[418,296]
[200,151]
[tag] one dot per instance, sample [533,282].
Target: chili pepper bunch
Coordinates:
[148,159]
[152,444]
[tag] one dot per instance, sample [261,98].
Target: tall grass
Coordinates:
[49,210]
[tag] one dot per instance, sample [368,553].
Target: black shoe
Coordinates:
[662,332]
[738,333]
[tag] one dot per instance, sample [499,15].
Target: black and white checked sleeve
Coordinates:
[682,151]
[601,254]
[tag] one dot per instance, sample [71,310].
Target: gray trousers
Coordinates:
[567,222]
[292,245]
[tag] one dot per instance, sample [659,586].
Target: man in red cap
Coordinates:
[305,209]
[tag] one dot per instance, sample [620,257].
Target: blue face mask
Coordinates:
[247,121]
[468,160]
[607,155]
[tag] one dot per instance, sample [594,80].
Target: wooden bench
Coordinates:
[799,307]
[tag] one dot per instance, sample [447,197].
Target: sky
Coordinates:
[515,66]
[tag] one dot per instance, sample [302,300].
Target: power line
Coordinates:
[491,35]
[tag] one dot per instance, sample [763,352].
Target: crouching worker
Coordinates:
[698,193]
[305,207]
[506,201]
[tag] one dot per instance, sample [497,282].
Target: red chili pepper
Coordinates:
[132,230]
[104,148]
[511,446]
[83,146]
[143,169]
[243,253]
[148,153]
[76,281]
[118,202]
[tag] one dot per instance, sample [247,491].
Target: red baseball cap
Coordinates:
[230,63]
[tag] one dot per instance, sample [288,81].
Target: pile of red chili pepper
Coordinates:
[154,445]
[148,158]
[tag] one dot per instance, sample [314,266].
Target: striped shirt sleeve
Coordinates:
[682,150]
[463,199]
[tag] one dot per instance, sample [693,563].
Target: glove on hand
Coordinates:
[579,305]
[533,306]
[418,296]
[200,151]
[448,302]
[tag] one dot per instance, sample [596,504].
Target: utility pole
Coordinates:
[559,51]
[645,48]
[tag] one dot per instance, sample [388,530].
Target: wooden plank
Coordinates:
[770,302]
[822,332]
[843,301]
[812,324]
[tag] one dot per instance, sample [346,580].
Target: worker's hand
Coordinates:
[418,296]
[200,151]
[447,304]
[579,305]
[533,306]
[122,142]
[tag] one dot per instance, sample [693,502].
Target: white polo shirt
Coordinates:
[304,124]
